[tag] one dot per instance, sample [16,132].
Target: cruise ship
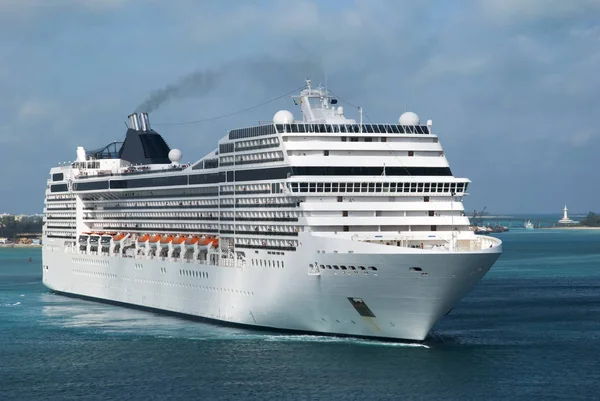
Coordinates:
[318,224]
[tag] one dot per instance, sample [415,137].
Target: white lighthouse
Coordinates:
[565,219]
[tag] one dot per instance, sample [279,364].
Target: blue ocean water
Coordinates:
[530,330]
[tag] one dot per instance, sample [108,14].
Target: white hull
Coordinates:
[406,303]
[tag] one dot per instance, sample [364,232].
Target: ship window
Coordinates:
[372,187]
[345,213]
[312,187]
[361,267]
[383,139]
[328,127]
[322,128]
[342,189]
[431,213]
[349,128]
[279,127]
[411,153]
[415,269]
[426,199]
[294,127]
[368,139]
[369,128]
[343,139]
[325,153]
[353,139]
[304,187]
[336,267]
[336,128]
[334,187]
[343,267]
[433,228]
[446,187]
[352,267]
[342,128]
[373,268]
[328,187]
[413,187]
[420,187]
[378,187]
[58,177]
[394,129]
[346,228]
[426,187]
[382,129]
[301,128]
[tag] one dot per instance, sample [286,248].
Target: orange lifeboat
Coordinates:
[167,239]
[155,238]
[119,237]
[191,241]
[204,241]
[178,240]
[143,238]
[215,242]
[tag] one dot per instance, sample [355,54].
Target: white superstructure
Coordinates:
[320,224]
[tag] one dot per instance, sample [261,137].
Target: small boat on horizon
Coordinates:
[528,225]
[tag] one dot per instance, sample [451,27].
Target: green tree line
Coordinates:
[10,226]
[592,220]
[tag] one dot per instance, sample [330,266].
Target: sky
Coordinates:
[512,86]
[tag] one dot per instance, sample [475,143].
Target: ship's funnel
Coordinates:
[134,123]
[144,122]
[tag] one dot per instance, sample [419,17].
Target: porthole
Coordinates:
[361,267]
[353,268]
[373,268]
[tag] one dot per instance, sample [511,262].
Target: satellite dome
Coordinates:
[283,117]
[175,155]
[409,118]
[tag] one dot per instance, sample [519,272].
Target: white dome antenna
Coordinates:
[283,117]
[175,156]
[409,118]
[340,111]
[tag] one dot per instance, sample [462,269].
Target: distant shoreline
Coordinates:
[570,228]
[20,246]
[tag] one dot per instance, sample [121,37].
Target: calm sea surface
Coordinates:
[530,330]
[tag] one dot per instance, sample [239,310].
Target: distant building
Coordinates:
[565,219]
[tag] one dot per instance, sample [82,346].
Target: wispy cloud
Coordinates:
[510,84]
